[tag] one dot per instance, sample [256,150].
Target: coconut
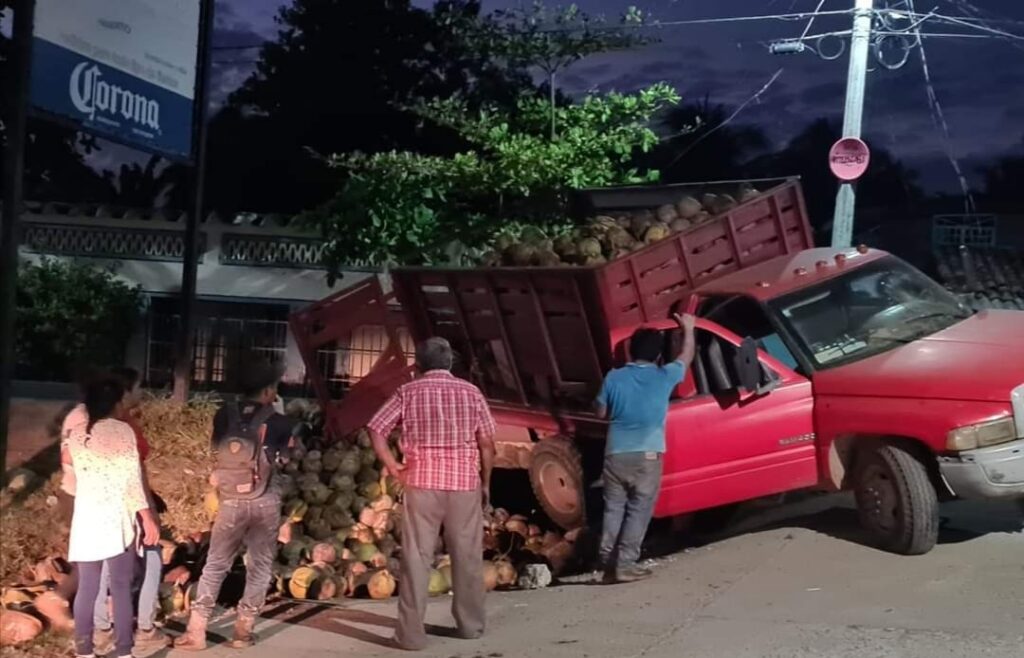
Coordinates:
[594,261]
[641,222]
[319,530]
[314,514]
[383,504]
[491,259]
[295,510]
[312,463]
[701,217]
[748,192]
[317,494]
[324,553]
[589,248]
[179,575]
[679,225]
[370,490]
[723,203]
[363,439]
[368,517]
[350,464]
[381,585]
[666,214]
[363,551]
[328,589]
[304,581]
[437,585]
[342,482]
[558,556]
[687,207]
[616,238]
[708,202]
[533,235]
[518,527]
[503,242]
[331,460]
[18,627]
[547,258]
[565,247]
[521,254]
[490,576]
[656,233]
[506,573]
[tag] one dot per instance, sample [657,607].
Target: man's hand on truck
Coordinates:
[688,323]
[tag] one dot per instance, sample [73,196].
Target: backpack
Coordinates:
[242,470]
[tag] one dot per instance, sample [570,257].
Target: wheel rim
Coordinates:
[879,499]
[560,490]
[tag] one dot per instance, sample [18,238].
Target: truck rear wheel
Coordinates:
[556,476]
[896,501]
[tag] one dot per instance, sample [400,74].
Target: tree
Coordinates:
[1002,181]
[552,39]
[888,183]
[335,81]
[71,315]
[702,146]
[410,208]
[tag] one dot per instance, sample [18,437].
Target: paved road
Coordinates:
[793,583]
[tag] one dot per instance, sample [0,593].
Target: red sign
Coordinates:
[848,159]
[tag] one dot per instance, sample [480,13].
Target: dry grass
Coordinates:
[178,466]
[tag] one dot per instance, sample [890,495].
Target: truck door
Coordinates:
[724,447]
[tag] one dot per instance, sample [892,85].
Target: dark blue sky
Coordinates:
[979,82]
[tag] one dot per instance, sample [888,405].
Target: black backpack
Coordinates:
[242,470]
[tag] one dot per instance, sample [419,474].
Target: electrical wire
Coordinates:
[756,96]
[939,119]
[811,22]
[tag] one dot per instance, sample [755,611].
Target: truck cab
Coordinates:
[872,378]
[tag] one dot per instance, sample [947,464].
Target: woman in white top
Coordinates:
[110,502]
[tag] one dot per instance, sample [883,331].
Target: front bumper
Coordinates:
[995,472]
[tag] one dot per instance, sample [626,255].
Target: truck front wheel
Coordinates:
[896,501]
[556,476]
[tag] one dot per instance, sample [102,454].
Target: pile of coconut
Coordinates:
[608,237]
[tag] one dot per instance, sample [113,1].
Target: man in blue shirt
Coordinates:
[635,400]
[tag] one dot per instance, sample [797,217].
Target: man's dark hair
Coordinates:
[129,376]
[645,345]
[434,354]
[101,398]
[257,374]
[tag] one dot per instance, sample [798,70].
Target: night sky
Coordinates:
[978,82]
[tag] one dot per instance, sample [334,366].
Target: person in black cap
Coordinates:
[249,511]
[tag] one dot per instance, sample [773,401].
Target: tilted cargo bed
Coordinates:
[539,338]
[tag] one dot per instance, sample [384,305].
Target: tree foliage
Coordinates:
[403,207]
[71,315]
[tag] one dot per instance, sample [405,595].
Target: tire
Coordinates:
[896,502]
[556,476]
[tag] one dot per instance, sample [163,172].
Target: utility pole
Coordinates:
[863,12]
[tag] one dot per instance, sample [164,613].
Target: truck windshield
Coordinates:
[869,310]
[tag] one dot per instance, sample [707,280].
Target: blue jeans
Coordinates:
[122,573]
[631,484]
[149,591]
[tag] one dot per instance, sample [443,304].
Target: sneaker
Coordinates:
[151,640]
[103,641]
[632,574]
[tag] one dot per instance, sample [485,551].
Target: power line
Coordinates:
[811,22]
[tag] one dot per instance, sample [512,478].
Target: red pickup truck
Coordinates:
[816,369]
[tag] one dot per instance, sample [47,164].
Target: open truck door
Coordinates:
[745,431]
[329,323]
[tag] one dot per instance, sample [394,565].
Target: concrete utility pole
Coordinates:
[863,12]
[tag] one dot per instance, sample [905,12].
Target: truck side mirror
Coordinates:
[747,367]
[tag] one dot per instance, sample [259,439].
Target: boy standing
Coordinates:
[250,503]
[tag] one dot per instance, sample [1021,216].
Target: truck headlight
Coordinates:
[989,433]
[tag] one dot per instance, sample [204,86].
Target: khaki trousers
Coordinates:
[461,515]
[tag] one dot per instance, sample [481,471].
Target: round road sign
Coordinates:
[848,158]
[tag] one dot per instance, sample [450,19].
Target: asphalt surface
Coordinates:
[794,581]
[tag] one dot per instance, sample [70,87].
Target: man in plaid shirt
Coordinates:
[448,444]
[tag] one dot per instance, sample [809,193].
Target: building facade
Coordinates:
[253,272]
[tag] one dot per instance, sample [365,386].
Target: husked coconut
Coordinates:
[656,233]
[687,207]
[641,222]
[666,213]
[679,225]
